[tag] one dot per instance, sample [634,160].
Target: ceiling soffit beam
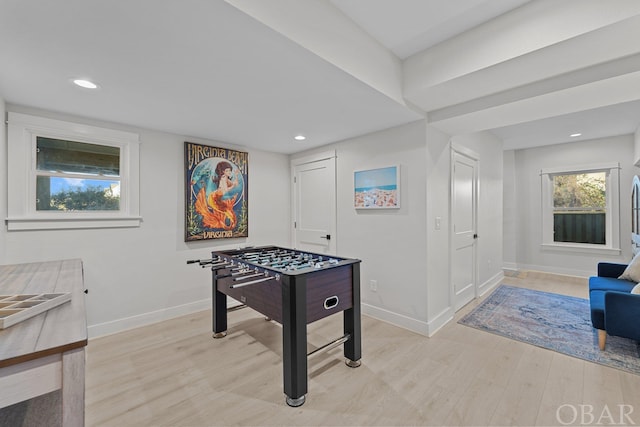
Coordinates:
[537,41]
[606,92]
[607,70]
[323,29]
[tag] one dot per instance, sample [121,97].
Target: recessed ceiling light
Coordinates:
[85,84]
[573,135]
[299,137]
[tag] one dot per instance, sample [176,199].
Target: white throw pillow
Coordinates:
[636,289]
[632,272]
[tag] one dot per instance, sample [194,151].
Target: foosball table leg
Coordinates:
[295,402]
[218,311]
[352,324]
[294,340]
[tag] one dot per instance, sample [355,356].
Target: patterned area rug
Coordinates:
[552,321]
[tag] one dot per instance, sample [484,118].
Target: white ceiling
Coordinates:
[617,119]
[206,69]
[410,26]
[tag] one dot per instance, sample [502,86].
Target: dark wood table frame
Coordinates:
[294,314]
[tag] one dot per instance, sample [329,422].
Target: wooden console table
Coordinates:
[45,353]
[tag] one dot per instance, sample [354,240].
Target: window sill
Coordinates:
[75,222]
[583,248]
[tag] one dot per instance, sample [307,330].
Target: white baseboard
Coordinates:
[432,326]
[435,324]
[552,270]
[510,265]
[491,283]
[396,319]
[126,323]
[419,326]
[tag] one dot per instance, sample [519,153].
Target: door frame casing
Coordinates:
[299,161]
[466,152]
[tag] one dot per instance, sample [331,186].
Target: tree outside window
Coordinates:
[76,176]
[579,208]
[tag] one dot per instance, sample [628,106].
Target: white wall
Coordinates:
[490,202]
[527,234]
[3,179]
[139,275]
[636,145]
[391,243]
[489,246]
[510,218]
[401,249]
[438,248]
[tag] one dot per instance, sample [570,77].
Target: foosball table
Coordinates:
[293,288]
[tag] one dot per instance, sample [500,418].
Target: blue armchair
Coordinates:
[614,309]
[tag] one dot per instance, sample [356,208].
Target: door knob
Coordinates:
[328,237]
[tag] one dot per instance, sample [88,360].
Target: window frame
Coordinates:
[612,211]
[22,132]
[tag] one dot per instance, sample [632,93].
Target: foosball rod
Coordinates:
[248,275]
[213,263]
[235,271]
[252,282]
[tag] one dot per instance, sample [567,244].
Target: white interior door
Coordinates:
[314,202]
[464,235]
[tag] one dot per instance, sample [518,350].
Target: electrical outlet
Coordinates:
[373,285]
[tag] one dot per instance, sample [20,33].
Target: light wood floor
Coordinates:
[174,373]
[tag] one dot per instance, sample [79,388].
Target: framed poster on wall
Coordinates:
[377,188]
[216,192]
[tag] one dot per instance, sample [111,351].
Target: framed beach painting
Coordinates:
[377,188]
